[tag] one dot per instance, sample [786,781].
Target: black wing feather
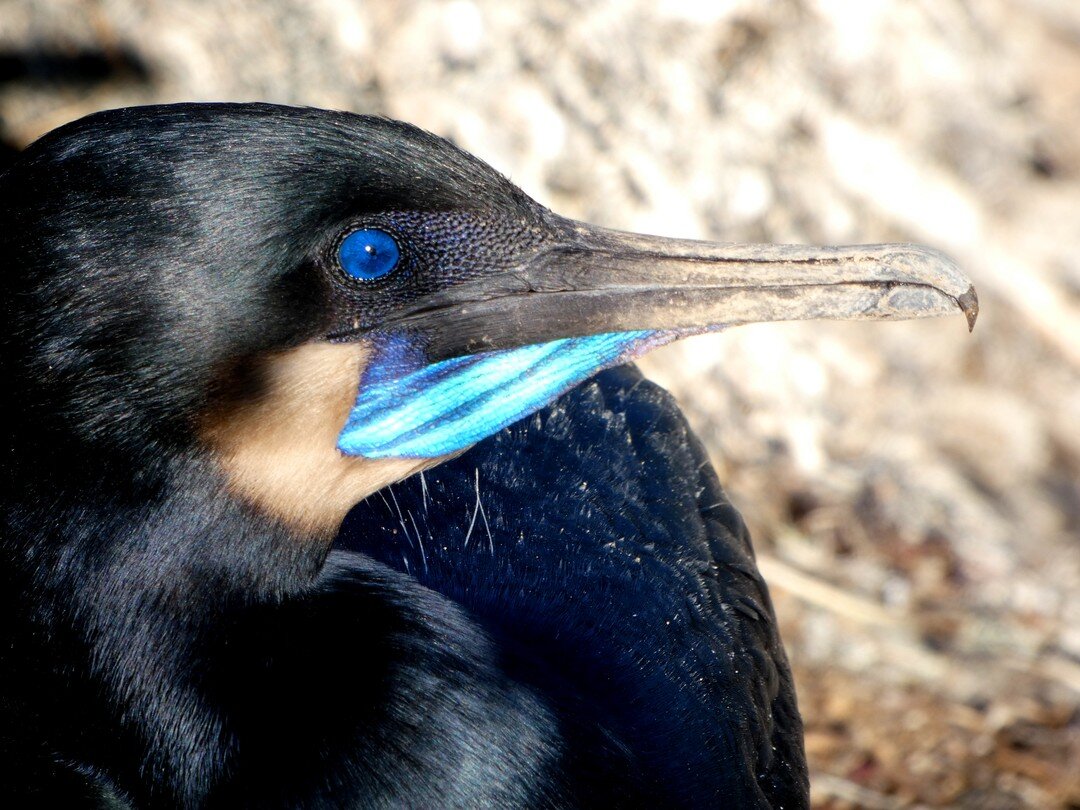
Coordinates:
[594,543]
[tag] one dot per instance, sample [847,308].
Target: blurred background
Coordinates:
[914,491]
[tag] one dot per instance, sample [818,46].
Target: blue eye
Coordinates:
[368,254]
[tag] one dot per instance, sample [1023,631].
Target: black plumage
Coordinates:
[569,614]
[595,544]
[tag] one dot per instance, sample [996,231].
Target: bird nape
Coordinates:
[226,326]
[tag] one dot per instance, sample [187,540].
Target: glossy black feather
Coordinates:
[601,639]
[594,542]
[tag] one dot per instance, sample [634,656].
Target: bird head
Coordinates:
[324,303]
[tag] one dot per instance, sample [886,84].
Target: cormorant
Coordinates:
[227,325]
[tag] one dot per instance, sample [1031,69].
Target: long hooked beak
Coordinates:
[596,280]
[503,345]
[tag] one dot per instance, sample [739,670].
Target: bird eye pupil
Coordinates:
[368,254]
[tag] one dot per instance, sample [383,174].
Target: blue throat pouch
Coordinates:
[406,410]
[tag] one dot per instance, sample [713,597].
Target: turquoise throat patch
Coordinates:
[445,407]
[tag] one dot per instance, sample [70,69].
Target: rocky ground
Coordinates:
[914,491]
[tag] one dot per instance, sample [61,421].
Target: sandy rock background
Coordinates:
[914,491]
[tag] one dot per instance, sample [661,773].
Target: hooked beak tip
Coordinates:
[969,303]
